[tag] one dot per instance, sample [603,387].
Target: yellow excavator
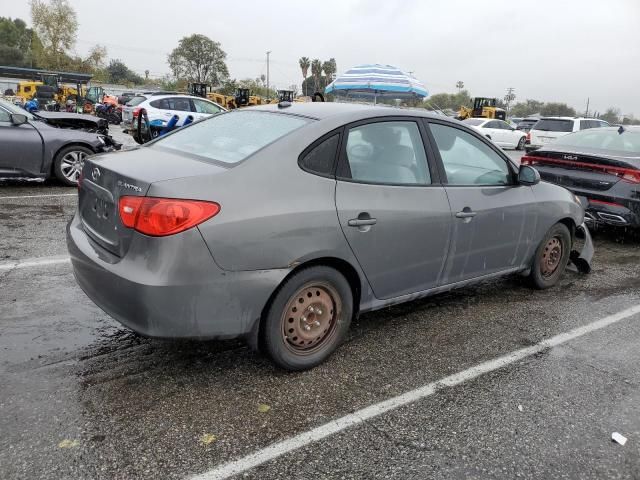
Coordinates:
[482,108]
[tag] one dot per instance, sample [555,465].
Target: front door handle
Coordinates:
[362,222]
[464,214]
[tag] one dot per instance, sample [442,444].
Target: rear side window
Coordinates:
[386,153]
[230,137]
[321,158]
[4,116]
[554,125]
[136,101]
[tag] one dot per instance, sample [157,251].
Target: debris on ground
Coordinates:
[618,438]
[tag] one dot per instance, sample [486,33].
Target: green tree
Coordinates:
[612,115]
[452,101]
[17,43]
[304,66]
[330,68]
[119,73]
[197,58]
[56,24]
[526,108]
[553,109]
[316,73]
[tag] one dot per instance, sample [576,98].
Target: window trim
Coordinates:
[332,174]
[443,174]
[430,164]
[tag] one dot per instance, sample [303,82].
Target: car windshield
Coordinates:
[554,125]
[603,139]
[231,137]
[136,101]
[15,109]
[474,121]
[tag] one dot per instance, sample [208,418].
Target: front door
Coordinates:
[394,217]
[493,218]
[21,147]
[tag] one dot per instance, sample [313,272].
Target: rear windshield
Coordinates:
[136,101]
[231,137]
[601,139]
[474,121]
[554,125]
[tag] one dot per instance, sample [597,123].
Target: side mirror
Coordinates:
[528,175]
[18,119]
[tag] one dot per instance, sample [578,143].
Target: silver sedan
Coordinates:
[282,223]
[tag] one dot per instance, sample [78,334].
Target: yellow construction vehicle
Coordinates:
[242,98]
[482,108]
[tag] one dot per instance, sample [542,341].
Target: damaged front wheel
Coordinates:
[551,257]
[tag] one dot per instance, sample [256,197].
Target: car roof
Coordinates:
[322,110]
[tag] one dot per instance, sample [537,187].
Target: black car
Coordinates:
[49,144]
[601,166]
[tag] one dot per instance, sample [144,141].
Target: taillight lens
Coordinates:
[631,176]
[527,160]
[136,112]
[159,217]
[529,137]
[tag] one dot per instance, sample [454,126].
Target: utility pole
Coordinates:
[586,113]
[509,97]
[268,53]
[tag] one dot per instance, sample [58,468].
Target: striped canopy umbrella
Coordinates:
[377,81]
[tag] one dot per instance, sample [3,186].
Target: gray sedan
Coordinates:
[280,224]
[48,145]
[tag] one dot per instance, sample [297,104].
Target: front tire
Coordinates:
[551,258]
[308,318]
[68,164]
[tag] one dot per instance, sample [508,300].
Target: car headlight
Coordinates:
[101,140]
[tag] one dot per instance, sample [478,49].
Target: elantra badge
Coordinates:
[129,185]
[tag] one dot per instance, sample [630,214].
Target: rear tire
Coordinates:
[307,319]
[551,258]
[68,164]
[521,143]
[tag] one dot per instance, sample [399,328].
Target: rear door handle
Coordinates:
[361,222]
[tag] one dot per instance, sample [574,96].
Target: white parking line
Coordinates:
[303,439]
[15,197]
[33,262]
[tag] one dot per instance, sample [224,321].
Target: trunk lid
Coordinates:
[105,178]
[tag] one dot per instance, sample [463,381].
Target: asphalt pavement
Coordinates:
[84,398]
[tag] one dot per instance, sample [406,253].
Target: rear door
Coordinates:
[21,147]
[493,131]
[493,217]
[391,207]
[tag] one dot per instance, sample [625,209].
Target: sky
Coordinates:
[549,50]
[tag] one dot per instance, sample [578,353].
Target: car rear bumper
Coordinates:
[170,287]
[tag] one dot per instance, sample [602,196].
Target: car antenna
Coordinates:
[438,109]
[621,130]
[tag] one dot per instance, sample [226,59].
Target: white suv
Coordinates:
[547,129]
[161,107]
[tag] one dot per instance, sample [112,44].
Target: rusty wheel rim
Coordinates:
[310,318]
[551,257]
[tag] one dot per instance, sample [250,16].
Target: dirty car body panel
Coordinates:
[277,216]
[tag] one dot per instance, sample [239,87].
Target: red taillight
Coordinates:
[529,137]
[603,202]
[136,112]
[629,175]
[159,217]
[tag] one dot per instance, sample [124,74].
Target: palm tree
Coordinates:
[304,66]
[330,67]
[316,71]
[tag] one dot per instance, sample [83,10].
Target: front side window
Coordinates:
[230,137]
[387,153]
[320,159]
[468,160]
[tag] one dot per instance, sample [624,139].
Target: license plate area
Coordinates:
[99,216]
